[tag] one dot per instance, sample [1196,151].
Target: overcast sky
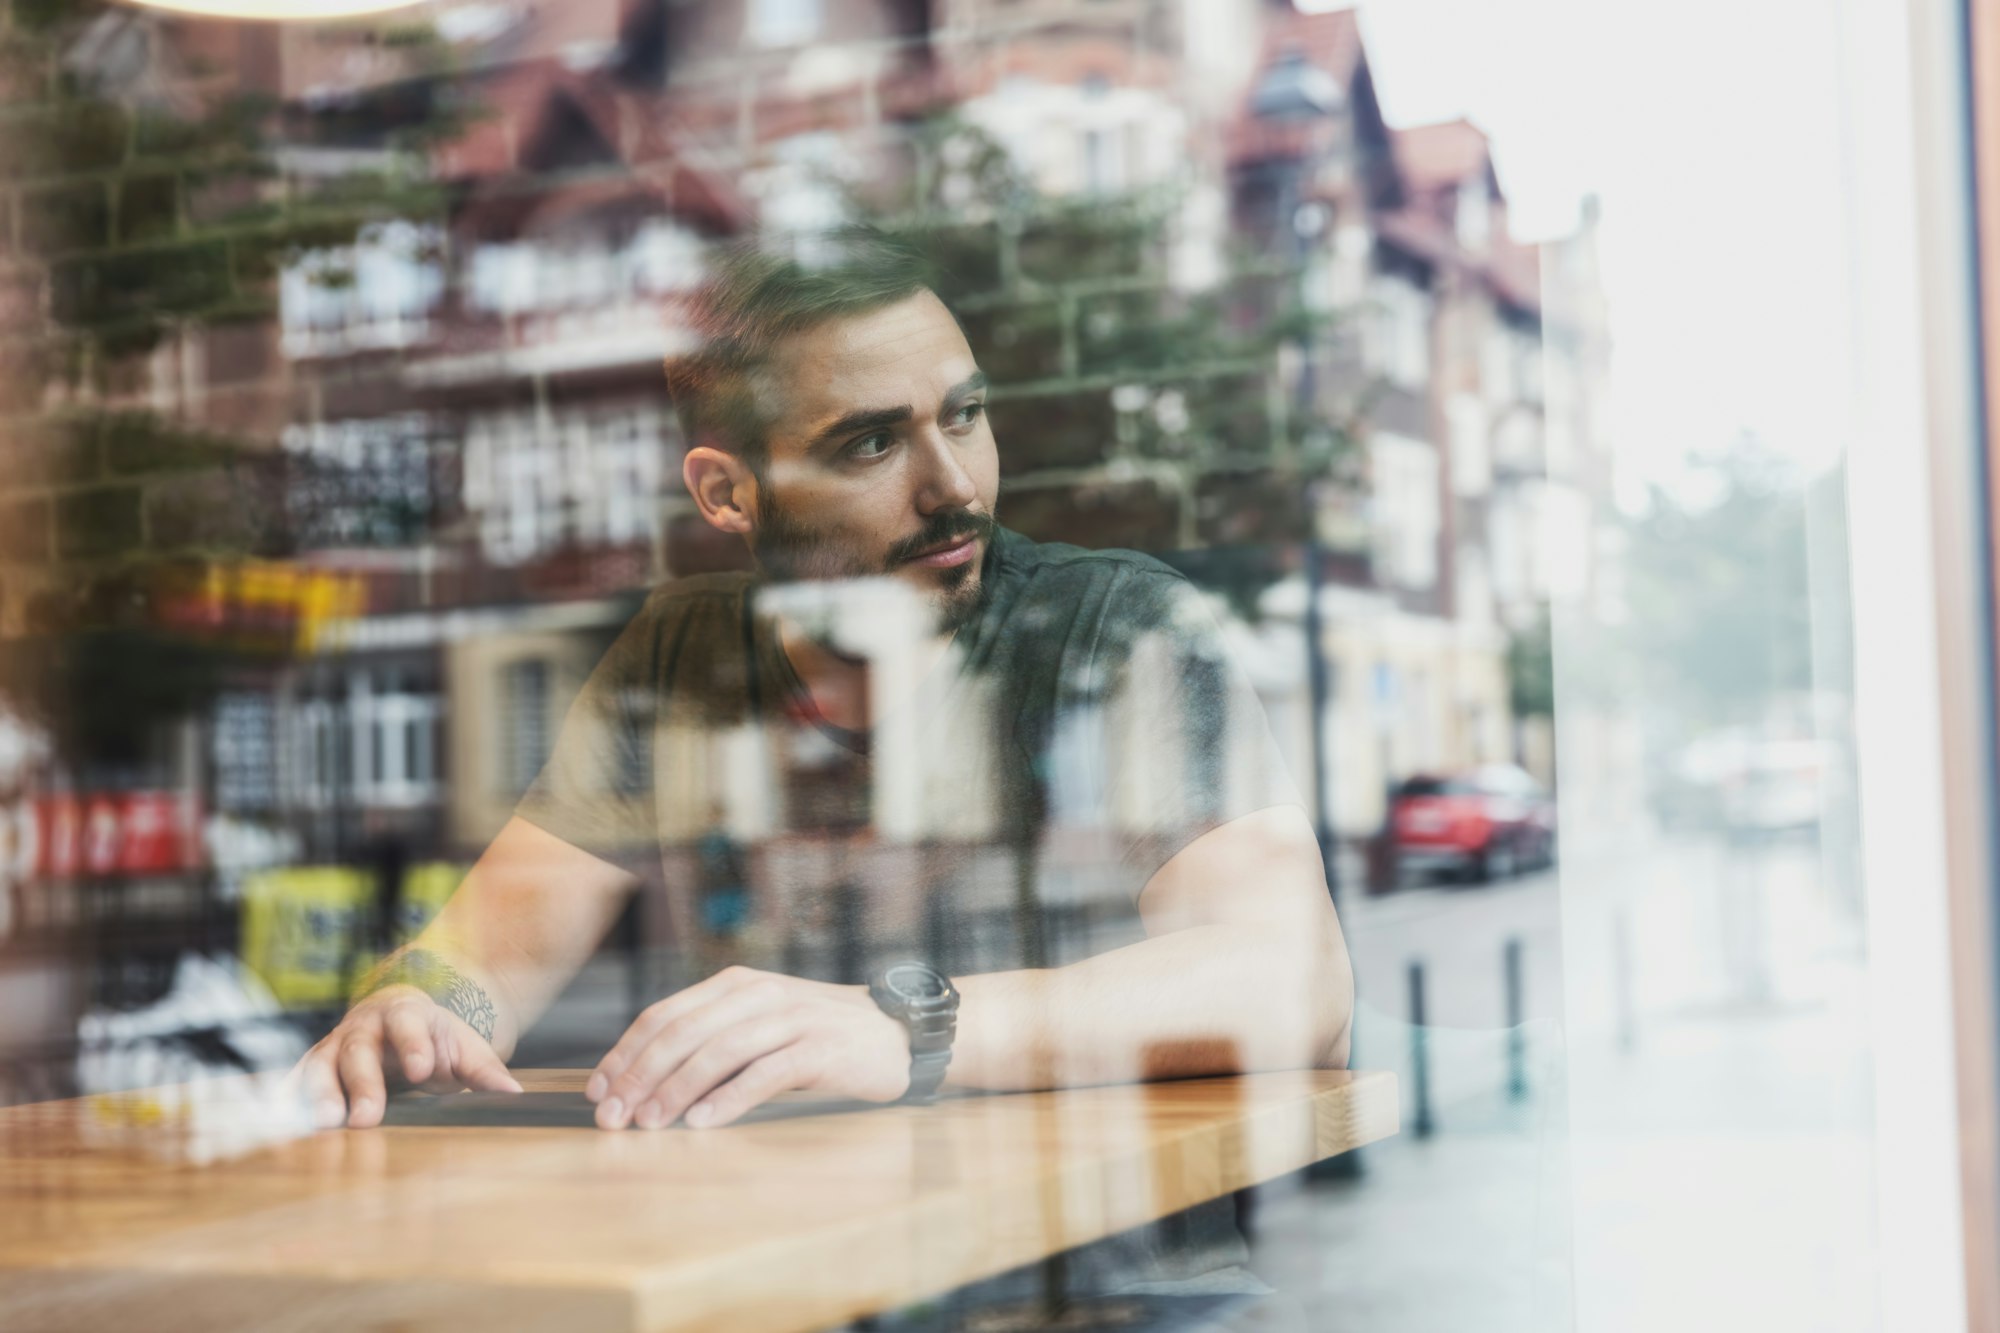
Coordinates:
[1710,130]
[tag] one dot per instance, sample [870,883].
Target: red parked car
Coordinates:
[1488,824]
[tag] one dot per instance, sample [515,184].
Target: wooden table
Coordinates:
[789,1224]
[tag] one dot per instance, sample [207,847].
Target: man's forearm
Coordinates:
[524,920]
[458,985]
[1207,1000]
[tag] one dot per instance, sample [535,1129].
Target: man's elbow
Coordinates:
[1333,999]
[1307,1016]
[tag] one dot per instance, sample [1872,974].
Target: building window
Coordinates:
[1527,361]
[1407,511]
[635,750]
[1109,154]
[588,272]
[784,22]
[1096,167]
[524,722]
[246,753]
[1398,341]
[1513,363]
[360,483]
[1471,446]
[1077,781]
[1474,214]
[476,22]
[314,758]
[394,727]
[376,294]
[801,196]
[587,478]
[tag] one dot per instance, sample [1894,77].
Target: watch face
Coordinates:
[914,981]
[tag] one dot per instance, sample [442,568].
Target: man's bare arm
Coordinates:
[528,916]
[430,973]
[1244,968]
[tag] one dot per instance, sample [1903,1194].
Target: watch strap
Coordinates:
[932,1024]
[932,1030]
[927,1069]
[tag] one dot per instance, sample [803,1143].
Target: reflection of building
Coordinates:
[1480,440]
[465,418]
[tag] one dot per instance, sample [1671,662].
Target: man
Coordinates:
[837,425]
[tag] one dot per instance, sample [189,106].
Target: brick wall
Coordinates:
[142,220]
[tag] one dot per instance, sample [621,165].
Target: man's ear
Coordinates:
[723,488]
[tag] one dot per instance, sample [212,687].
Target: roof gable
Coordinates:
[1444,156]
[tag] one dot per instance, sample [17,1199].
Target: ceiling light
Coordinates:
[294,11]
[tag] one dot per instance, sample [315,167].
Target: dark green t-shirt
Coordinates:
[1006,810]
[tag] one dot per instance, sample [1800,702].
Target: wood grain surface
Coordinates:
[792,1223]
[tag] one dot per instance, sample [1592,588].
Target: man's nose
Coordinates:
[944,482]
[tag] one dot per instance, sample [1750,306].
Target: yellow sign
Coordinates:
[307,932]
[262,604]
[425,891]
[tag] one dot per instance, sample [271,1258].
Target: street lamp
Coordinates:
[1294,88]
[1295,91]
[290,11]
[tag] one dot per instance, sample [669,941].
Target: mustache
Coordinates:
[944,528]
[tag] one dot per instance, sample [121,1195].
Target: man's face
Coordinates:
[881,460]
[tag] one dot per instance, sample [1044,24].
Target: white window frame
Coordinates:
[1408,510]
[783,22]
[392,284]
[1397,345]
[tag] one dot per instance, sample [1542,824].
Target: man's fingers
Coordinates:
[655,1017]
[780,1071]
[360,1067]
[716,1062]
[674,1043]
[478,1065]
[408,1030]
[318,1087]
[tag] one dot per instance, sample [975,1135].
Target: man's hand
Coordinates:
[396,1032]
[716,1050]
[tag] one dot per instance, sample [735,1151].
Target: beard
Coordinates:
[788,551]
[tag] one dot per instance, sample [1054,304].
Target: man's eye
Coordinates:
[968,414]
[869,446]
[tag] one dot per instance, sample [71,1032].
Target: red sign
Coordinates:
[139,833]
[100,835]
[154,834]
[59,820]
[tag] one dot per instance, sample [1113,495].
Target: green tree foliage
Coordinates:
[1531,673]
[153,204]
[1717,584]
[1073,297]
[154,198]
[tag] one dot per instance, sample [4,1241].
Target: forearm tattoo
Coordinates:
[451,988]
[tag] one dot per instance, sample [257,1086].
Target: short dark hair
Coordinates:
[754,301]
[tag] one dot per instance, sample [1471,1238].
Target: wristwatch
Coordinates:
[923,1000]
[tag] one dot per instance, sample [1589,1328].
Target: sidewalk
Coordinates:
[1702,1161]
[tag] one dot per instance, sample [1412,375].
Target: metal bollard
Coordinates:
[1420,1056]
[1517,1038]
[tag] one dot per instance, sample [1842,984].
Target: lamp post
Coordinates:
[1294,90]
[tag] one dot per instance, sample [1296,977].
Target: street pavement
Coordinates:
[1692,1148]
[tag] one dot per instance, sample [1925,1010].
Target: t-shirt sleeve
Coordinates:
[1190,747]
[595,791]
